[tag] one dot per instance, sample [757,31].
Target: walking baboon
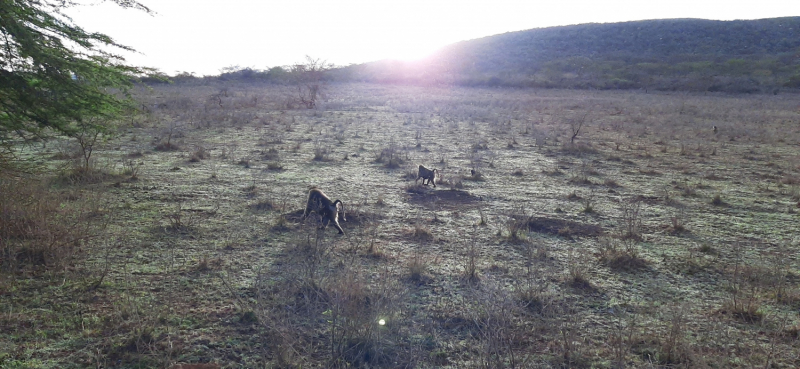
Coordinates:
[429,174]
[322,205]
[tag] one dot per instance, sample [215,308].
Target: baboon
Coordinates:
[429,174]
[322,205]
[715,129]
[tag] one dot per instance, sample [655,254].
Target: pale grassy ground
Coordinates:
[204,267]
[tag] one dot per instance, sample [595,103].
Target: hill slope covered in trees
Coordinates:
[674,54]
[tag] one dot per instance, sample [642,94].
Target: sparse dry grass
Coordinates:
[208,263]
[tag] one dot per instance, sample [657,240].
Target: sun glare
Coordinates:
[409,48]
[411,51]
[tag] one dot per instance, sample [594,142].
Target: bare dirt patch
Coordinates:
[563,227]
[444,199]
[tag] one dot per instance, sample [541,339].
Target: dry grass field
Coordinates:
[599,230]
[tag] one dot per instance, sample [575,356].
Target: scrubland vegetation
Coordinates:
[598,229]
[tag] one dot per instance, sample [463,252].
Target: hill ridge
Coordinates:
[670,54]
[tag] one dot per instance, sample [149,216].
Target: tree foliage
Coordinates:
[54,75]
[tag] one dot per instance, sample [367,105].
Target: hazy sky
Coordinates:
[204,36]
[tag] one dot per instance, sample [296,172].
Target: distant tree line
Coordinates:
[293,74]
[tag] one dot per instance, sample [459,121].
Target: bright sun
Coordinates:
[411,51]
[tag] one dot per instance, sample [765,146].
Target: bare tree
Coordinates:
[310,79]
[575,125]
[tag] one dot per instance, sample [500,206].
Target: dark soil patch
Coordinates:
[622,261]
[649,200]
[419,279]
[564,228]
[582,285]
[295,216]
[353,218]
[446,199]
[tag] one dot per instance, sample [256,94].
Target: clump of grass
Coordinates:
[205,263]
[389,160]
[717,200]
[471,263]
[280,224]
[245,163]
[82,174]
[263,205]
[130,167]
[576,271]
[677,221]
[517,173]
[380,201]
[417,268]
[588,206]
[167,146]
[792,332]
[515,227]
[390,156]
[610,182]
[422,233]
[250,189]
[248,316]
[707,249]
[533,300]
[622,261]
[199,153]
[483,220]
[749,312]
[677,224]
[631,221]
[270,154]
[321,154]
[274,166]
[410,174]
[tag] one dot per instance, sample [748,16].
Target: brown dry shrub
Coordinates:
[167,146]
[422,233]
[42,228]
[199,153]
[621,260]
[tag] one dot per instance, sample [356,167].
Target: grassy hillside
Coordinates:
[674,54]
